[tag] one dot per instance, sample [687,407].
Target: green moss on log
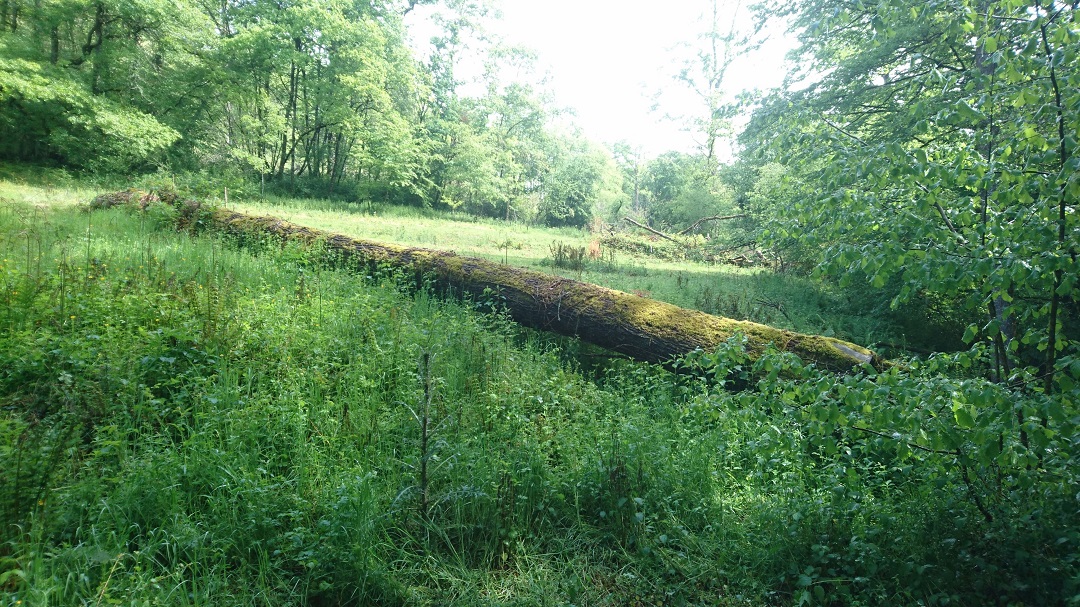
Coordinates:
[643,329]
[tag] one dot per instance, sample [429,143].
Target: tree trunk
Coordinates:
[54,45]
[643,329]
[640,328]
[655,231]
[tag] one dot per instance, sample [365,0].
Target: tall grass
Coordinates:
[194,424]
[187,422]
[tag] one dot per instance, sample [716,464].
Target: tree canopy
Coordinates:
[319,97]
[940,139]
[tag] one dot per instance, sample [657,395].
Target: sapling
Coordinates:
[422,415]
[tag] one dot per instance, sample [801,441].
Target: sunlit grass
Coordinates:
[44,188]
[524,244]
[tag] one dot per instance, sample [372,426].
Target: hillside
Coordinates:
[186,421]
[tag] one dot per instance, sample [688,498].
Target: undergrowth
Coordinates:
[189,422]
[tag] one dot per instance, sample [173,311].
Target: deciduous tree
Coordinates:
[942,139]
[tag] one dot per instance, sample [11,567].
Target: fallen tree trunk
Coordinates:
[713,218]
[643,329]
[655,231]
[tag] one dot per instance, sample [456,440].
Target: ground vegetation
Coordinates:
[189,419]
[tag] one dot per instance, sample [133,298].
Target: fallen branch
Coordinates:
[734,247]
[655,231]
[713,218]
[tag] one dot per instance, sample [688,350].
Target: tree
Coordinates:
[774,190]
[942,139]
[325,91]
[728,36]
[685,189]
[76,85]
[576,182]
[682,188]
[316,97]
[517,121]
[630,161]
[469,176]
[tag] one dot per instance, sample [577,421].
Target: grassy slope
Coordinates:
[184,423]
[239,429]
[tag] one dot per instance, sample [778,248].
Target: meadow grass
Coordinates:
[187,422]
[789,301]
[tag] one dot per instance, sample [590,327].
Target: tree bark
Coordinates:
[642,329]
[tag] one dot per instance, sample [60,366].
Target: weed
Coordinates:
[568,257]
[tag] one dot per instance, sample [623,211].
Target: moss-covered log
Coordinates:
[643,329]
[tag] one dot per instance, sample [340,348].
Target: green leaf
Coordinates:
[1065,382]
[7,576]
[970,333]
[964,415]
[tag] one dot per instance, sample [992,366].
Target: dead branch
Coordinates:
[654,231]
[713,218]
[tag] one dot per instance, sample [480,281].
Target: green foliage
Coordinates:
[568,256]
[68,125]
[774,190]
[935,460]
[681,188]
[470,177]
[308,98]
[947,170]
[575,184]
[655,248]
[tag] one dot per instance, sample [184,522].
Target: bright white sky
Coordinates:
[608,59]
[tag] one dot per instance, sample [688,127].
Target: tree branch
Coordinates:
[937,205]
[713,218]
[908,443]
[654,231]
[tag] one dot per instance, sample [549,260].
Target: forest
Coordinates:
[207,399]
